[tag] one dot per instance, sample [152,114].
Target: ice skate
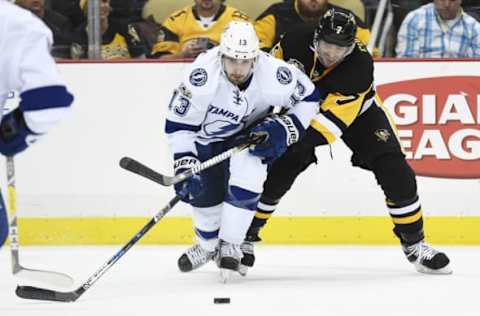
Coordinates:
[194,258]
[248,258]
[426,259]
[228,259]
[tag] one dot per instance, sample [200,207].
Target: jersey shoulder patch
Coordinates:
[284,75]
[198,77]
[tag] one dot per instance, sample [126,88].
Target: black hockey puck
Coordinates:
[221,300]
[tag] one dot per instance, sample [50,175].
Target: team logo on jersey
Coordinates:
[382,135]
[198,77]
[284,75]
[220,128]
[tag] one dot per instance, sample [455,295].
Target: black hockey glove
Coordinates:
[15,136]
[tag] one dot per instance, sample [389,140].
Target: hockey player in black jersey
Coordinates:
[351,110]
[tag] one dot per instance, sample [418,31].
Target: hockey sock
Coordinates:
[408,220]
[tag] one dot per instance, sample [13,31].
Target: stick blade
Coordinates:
[137,167]
[36,293]
[54,279]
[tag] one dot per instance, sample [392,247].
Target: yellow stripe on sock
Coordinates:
[263,215]
[407,220]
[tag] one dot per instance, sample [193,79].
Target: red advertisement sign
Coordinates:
[438,121]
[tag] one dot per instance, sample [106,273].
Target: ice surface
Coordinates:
[287,280]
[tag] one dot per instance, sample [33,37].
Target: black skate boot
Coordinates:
[426,259]
[194,258]
[247,246]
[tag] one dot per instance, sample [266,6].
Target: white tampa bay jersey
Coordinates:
[207,107]
[26,65]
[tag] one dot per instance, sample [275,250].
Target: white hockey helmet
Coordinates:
[239,41]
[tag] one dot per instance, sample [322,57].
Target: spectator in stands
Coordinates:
[57,23]
[272,24]
[70,9]
[195,28]
[127,11]
[439,29]
[119,40]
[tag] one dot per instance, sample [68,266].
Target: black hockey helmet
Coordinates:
[336,27]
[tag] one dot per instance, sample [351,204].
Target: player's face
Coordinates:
[447,9]
[237,70]
[330,54]
[311,8]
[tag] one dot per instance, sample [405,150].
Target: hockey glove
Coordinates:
[193,186]
[15,136]
[280,132]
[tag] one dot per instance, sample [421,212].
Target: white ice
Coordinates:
[286,280]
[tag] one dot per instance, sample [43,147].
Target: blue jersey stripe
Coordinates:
[45,98]
[172,127]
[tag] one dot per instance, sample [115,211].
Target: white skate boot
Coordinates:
[228,259]
[426,259]
[194,258]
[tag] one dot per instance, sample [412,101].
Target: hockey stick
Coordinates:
[48,277]
[137,167]
[35,293]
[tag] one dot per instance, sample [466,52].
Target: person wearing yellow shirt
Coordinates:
[190,31]
[272,24]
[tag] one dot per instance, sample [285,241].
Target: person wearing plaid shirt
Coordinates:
[438,30]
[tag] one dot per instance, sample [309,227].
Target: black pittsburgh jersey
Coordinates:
[347,87]
[281,17]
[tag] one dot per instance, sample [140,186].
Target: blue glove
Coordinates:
[14,133]
[279,132]
[192,187]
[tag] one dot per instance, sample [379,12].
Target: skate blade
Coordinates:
[225,275]
[423,269]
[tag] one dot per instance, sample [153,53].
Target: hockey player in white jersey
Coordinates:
[27,68]
[224,92]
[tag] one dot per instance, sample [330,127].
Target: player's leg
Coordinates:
[207,210]
[247,174]
[281,176]
[376,148]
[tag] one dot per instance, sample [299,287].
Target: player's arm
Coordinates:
[301,98]
[338,111]
[184,118]
[186,111]
[44,97]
